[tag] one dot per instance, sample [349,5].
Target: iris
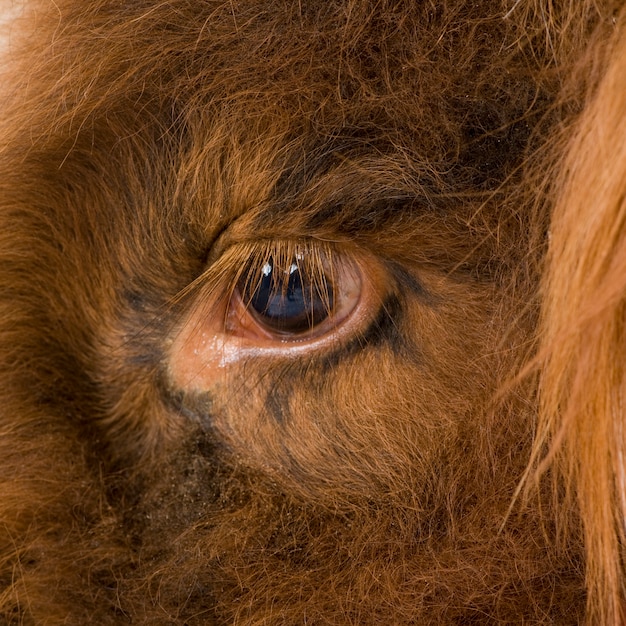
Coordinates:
[288,300]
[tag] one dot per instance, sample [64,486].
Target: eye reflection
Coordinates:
[287,299]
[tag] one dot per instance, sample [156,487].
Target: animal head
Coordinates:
[311,313]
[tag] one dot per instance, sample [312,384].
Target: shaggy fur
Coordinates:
[454,453]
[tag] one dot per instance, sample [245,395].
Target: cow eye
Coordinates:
[304,293]
[277,299]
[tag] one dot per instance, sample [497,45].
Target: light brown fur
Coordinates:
[451,455]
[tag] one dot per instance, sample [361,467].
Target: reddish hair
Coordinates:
[582,333]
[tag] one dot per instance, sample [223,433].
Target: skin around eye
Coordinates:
[270,313]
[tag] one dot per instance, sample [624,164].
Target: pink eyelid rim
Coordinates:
[208,344]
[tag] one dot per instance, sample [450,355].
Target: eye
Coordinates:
[276,300]
[294,294]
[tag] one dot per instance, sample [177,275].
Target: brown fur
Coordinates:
[454,457]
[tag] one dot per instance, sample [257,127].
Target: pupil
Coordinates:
[285,300]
